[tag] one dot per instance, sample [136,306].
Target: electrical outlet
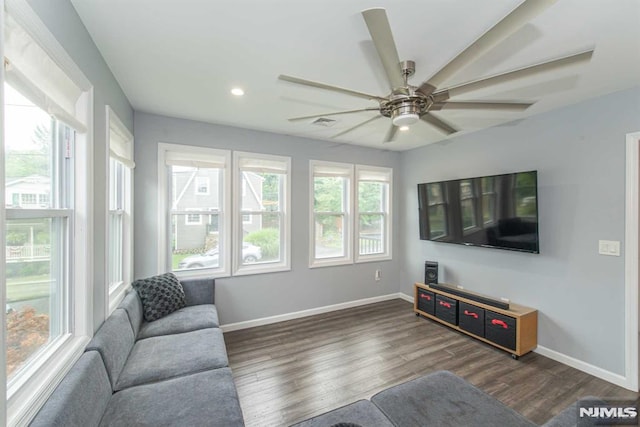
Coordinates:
[378,275]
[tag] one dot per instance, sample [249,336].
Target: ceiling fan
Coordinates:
[407,104]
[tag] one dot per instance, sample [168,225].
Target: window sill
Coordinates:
[329,263]
[116,294]
[29,392]
[373,258]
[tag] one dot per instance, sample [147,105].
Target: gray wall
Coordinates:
[257,296]
[63,22]
[579,153]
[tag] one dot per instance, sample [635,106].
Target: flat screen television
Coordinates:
[497,211]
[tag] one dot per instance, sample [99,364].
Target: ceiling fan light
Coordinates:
[406,119]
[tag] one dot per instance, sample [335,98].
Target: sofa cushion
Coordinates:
[81,397]
[114,341]
[199,291]
[202,399]
[361,413]
[167,356]
[133,306]
[444,399]
[160,295]
[184,320]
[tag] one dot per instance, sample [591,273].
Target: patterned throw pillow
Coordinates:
[160,295]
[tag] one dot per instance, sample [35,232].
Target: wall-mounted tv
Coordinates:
[497,211]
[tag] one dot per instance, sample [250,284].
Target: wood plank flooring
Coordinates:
[289,371]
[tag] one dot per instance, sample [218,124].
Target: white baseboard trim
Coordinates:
[405,297]
[310,312]
[603,374]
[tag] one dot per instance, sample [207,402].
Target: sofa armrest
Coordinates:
[199,291]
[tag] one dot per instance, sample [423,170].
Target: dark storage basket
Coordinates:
[500,329]
[447,309]
[427,302]
[471,318]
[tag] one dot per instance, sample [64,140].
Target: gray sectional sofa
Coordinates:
[171,371]
[174,371]
[439,399]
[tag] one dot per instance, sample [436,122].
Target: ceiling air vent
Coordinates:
[324,122]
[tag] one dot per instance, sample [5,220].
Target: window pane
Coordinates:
[116,242]
[35,287]
[372,196]
[195,246]
[262,237]
[329,236]
[329,193]
[28,153]
[262,191]
[184,188]
[371,239]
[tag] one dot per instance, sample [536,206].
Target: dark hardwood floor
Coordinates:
[290,371]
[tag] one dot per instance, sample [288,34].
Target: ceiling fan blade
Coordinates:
[329,87]
[380,30]
[481,105]
[391,134]
[522,14]
[438,123]
[518,74]
[293,119]
[356,126]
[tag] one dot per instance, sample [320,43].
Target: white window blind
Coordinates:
[29,69]
[120,141]
[195,159]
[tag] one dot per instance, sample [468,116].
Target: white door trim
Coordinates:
[632,242]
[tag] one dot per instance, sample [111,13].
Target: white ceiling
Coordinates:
[180,58]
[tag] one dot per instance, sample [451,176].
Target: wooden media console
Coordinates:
[513,329]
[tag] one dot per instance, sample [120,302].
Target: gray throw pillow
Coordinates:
[160,295]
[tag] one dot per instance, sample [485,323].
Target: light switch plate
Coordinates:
[609,247]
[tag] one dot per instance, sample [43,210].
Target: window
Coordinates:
[202,185]
[192,219]
[45,174]
[331,200]
[198,226]
[373,207]
[203,236]
[120,225]
[262,213]
[337,191]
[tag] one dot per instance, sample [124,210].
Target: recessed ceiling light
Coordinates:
[237,91]
[404,128]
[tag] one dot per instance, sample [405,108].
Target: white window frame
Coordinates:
[285,218]
[382,173]
[346,170]
[120,149]
[28,392]
[164,214]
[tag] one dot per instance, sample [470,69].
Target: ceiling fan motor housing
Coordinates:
[405,110]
